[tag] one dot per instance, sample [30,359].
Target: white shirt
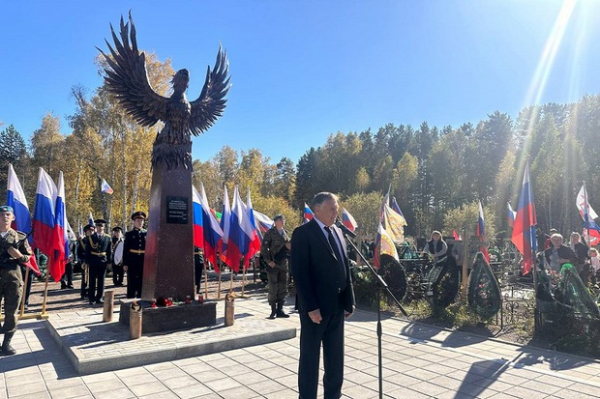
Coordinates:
[335,239]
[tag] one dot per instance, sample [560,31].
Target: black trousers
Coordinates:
[67,277]
[96,284]
[84,275]
[198,269]
[331,333]
[118,274]
[134,281]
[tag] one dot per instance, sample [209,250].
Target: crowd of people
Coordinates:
[578,253]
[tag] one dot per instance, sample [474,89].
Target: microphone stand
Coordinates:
[382,286]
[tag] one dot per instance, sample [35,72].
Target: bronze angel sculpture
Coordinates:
[127,80]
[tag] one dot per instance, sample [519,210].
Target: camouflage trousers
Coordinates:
[278,276]
[11,290]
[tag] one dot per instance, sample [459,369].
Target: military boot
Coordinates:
[280,312]
[273,312]
[8,350]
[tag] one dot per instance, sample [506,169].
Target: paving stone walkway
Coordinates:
[418,362]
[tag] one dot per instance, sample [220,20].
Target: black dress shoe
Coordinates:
[99,301]
[70,286]
[91,303]
[63,287]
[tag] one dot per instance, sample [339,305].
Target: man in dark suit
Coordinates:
[325,294]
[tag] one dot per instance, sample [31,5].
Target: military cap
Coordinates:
[278,216]
[138,214]
[117,228]
[99,221]
[6,208]
[88,227]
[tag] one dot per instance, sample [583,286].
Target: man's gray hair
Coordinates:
[556,235]
[321,197]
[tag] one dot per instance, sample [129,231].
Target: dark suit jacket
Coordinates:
[315,271]
[564,252]
[96,244]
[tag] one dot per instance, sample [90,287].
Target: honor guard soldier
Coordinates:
[275,250]
[88,230]
[117,260]
[98,254]
[14,250]
[134,248]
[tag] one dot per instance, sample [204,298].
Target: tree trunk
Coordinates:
[124,217]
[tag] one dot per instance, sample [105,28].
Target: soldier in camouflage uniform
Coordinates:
[275,251]
[14,250]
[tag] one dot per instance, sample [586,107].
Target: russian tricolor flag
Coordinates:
[198,220]
[61,241]
[212,232]
[264,222]
[348,220]
[43,216]
[240,232]
[225,223]
[105,188]
[511,215]
[481,232]
[254,244]
[591,229]
[91,219]
[523,235]
[308,214]
[17,200]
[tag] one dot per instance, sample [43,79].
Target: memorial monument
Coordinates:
[169,260]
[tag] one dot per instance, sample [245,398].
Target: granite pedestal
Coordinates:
[171,318]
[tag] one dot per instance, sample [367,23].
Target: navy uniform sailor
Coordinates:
[14,250]
[134,247]
[98,253]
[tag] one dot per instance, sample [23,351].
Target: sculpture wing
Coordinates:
[210,104]
[128,81]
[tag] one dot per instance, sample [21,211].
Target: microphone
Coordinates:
[345,230]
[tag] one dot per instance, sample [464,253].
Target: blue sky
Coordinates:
[302,70]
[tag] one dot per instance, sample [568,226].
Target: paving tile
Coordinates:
[179,382]
[222,384]
[119,393]
[161,395]
[148,388]
[69,392]
[26,388]
[192,391]
[266,387]
[241,392]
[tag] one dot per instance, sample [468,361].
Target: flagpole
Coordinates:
[465,264]
[243,279]
[206,279]
[219,288]
[45,292]
[586,215]
[24,291]
[231,280]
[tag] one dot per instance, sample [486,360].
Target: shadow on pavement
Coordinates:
[557,361]
[458,338]
[480,376]
[50,354]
